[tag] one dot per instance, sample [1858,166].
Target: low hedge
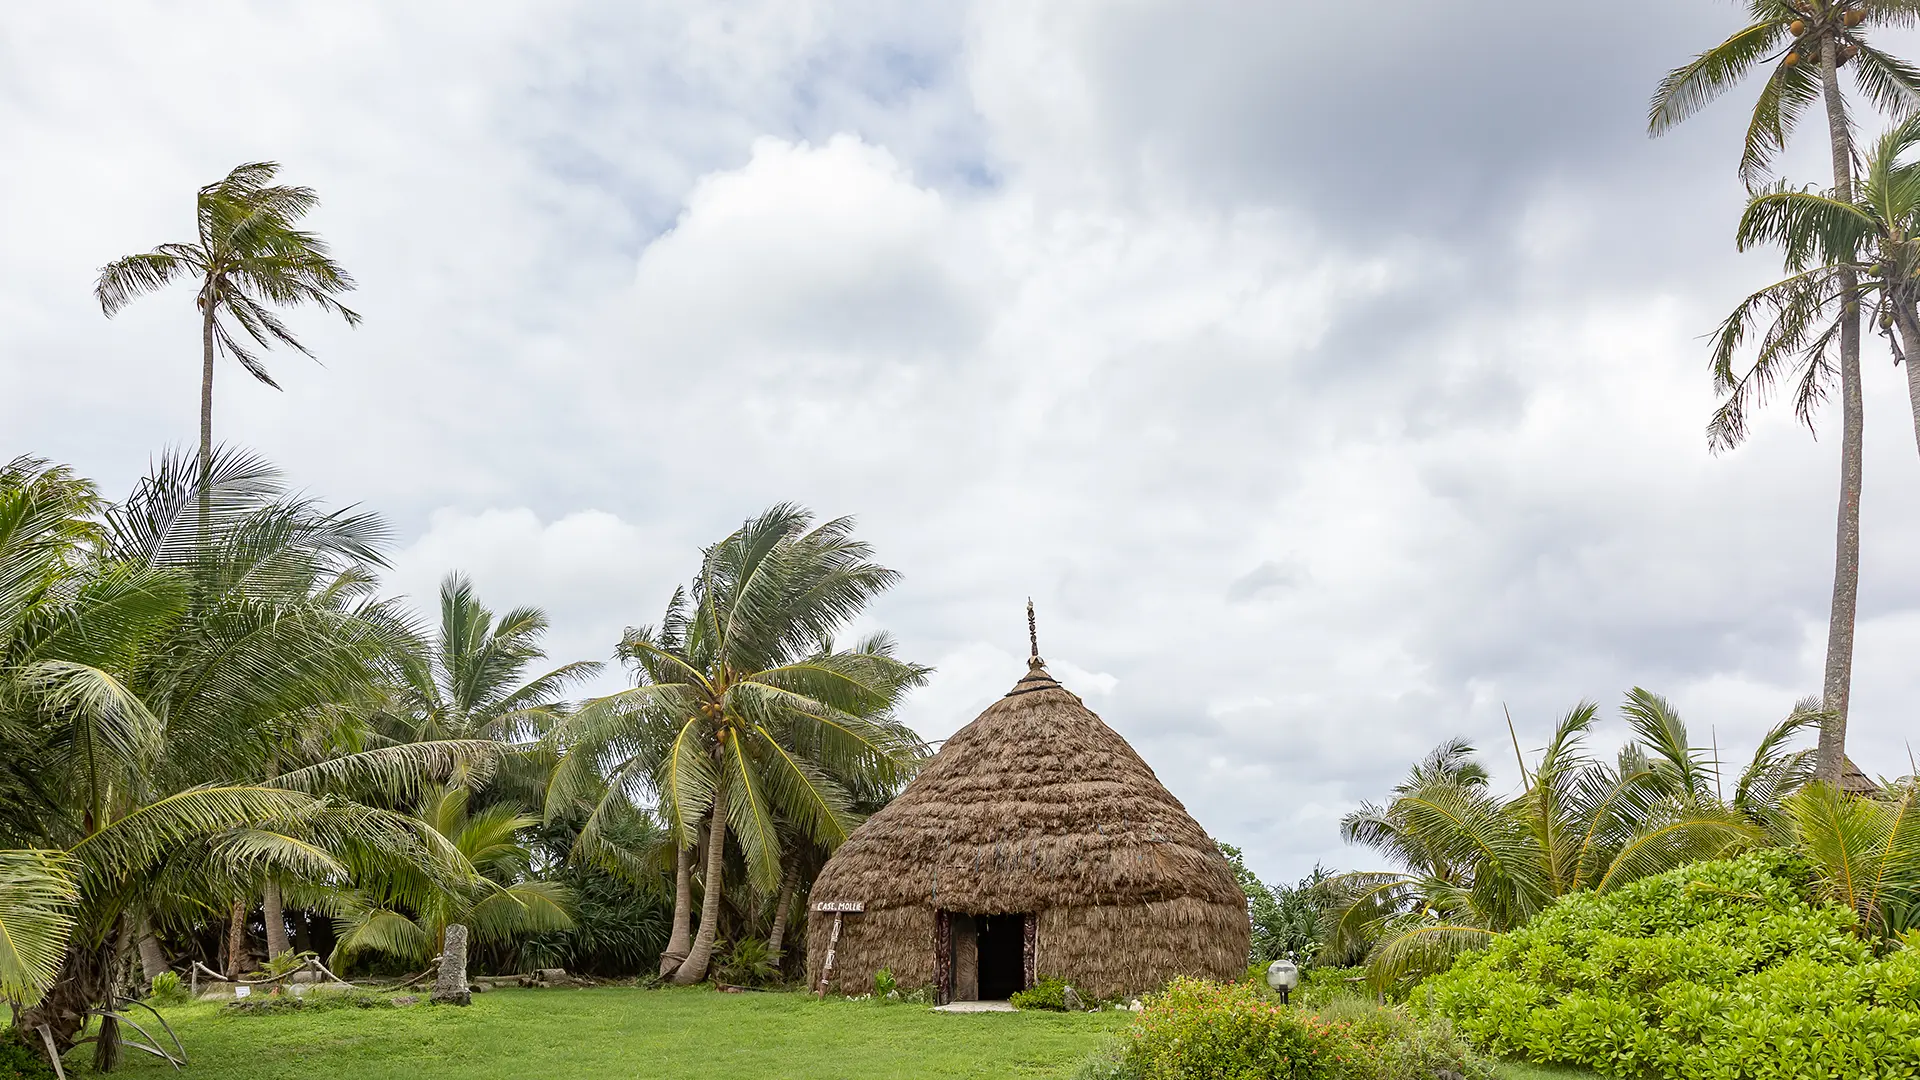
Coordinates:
[1197,1030]
[1717,971]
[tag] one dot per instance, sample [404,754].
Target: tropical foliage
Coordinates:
[157,654]
[404,911]
[1722,970]
[1286,919]
[747,715]
[1475,865]
[204,702]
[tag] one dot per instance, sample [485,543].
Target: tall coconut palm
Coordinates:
[1874,237]
[746,713]
[249,256]
[1478,865]
[1805,43]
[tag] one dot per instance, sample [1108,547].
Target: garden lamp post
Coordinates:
[1283,976]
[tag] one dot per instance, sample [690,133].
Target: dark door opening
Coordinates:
[1002,951]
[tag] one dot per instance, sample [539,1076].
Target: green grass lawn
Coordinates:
[639,1034]
[630,1034]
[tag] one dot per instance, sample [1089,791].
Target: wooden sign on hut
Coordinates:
[1035,844]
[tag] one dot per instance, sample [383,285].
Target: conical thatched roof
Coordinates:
[1036,804]
[1855,782]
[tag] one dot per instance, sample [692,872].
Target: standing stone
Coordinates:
[450,987]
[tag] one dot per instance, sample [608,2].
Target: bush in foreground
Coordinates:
[1195,1029]
[1717,971]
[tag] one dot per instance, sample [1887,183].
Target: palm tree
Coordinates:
[472,682]
[746,713]
[249,257]
[1825,238]
[151,658]
[404,912]
[1865,852]
[1478,865]
[1807,42]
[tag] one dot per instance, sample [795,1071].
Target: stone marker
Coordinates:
[450,987]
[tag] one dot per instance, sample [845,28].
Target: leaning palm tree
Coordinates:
[1872,239]
[249,257]
[1477,865]
[1805,43]
[746,714]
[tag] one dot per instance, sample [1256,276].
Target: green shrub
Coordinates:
[1048,993]
[747,962]
[1390,1043]
[168,989]
[885,986]
[1718,971]
[1195,1029]
[19,1060]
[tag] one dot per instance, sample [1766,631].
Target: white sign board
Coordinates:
[841,905]
[242,991]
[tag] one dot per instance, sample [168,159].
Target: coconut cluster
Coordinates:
[1810,29]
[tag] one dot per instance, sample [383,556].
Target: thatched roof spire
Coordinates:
[1033,637]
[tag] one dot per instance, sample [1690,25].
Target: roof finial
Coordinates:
[1033,636]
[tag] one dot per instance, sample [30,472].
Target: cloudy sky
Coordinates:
[1329,377]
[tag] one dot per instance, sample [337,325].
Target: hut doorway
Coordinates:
[1002,945]
[983,957]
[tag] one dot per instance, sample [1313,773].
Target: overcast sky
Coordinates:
[1330,377]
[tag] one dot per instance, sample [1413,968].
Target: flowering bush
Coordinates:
[1196,1030]
[1717,971]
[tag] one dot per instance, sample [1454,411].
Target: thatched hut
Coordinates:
[1036,843]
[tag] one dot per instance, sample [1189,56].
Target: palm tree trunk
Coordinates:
[237,939]
[1846,562]
[276,916]
[789,884]
[153,959]
[84,982]
[681,940]
[1907,320]
[695,967]
[206,383]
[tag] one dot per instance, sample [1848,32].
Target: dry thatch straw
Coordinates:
[1855,782]
[1037,807]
